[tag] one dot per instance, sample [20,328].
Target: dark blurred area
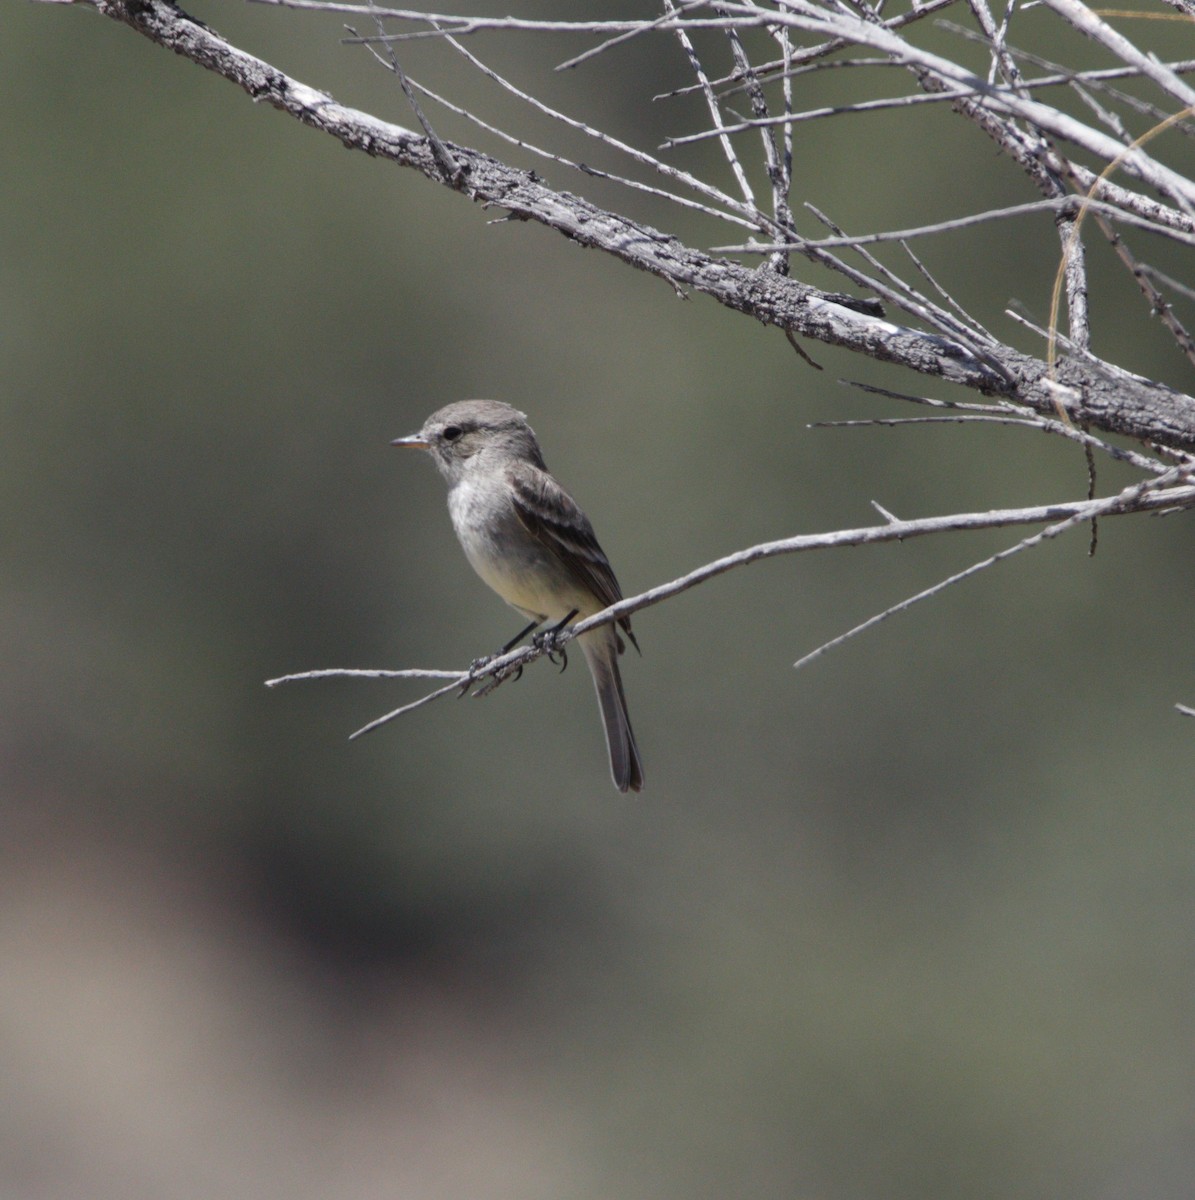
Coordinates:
[912,922]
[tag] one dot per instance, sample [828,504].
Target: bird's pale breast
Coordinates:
[524,572]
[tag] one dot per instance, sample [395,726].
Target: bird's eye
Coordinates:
[452,432]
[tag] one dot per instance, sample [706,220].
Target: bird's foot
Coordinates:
[499,677]
[549,643]
[475,668]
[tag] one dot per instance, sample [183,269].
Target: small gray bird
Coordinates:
[526,537]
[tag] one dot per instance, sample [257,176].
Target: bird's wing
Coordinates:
[553,518]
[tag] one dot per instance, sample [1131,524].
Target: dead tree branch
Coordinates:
[1167,492]
[1069,159]
[1090,391]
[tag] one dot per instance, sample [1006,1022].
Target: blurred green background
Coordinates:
[914,922]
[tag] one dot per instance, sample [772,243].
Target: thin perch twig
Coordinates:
[1147,496]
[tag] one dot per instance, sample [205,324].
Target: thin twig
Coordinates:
[667,21]
[1159,306]
[1088,23]
[352,673]
[450,167]
[811,55]
[929,401]
[663,168]
[1065,204]
[776,164]
[715,111]
[1160,277]
[977,331]
[1151,495]
[788,120]
[992,100]
[1018,414]
[1090,512]
[972,336]
[461,24]
[386,718]
[892,422]
[1114,402]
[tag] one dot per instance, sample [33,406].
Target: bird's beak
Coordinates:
[415,442]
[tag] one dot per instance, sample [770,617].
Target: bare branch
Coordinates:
[353,673]
[461,25]
[715,112]
[1150,496]
[1161,493]
[1063,204]
[1073,269]
[663,168]
[801,14]
[777,167]
[386,718]
[1104,398]
[1160,277]
[1088,512]
[448,165]
[666,21]
[1084,20]
[1004,414]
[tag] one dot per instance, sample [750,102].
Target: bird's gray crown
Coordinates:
[457,432]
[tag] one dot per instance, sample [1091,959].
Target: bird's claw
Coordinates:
[546,643]
[497,678]
[475,668]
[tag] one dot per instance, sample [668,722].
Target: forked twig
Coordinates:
[448,165]
[1040,138]
[1151,495]
[1090,511]
[715,110]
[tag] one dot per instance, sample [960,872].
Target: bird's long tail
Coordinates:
[601,653]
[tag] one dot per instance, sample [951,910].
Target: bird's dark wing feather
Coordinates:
[551,516]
